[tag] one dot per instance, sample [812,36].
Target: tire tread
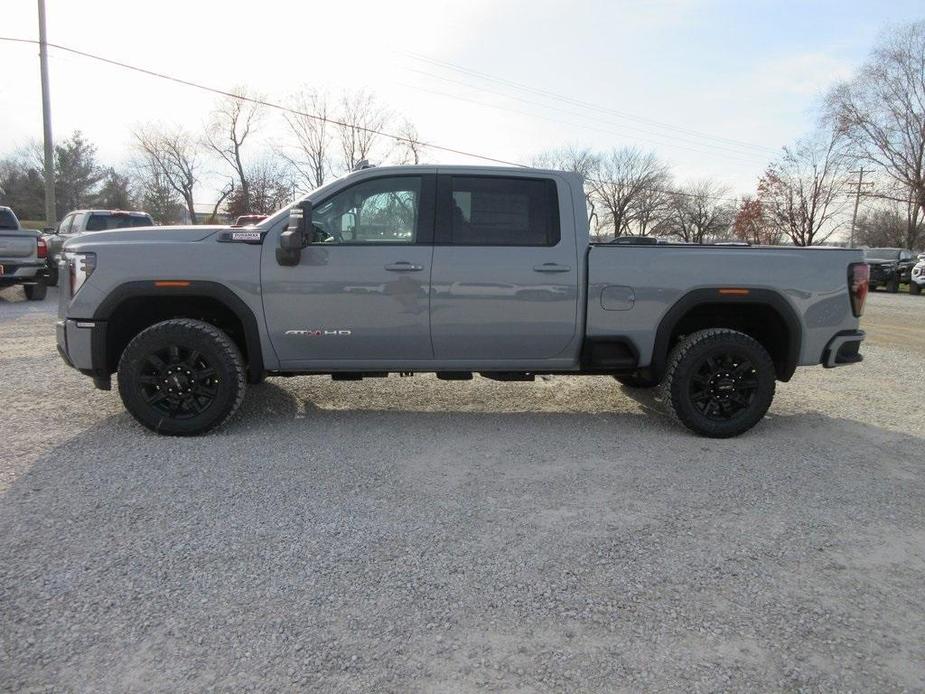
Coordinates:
[225,345]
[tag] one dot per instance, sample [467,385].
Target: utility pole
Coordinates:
[50,215]
[857,200]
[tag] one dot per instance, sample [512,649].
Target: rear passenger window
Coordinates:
[494,211]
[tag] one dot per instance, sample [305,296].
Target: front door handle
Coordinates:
[551,267]
[403,266]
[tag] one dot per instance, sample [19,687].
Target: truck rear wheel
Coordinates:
[719,382]
[36,292]
[181,377]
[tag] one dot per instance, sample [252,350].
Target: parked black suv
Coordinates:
[889,267]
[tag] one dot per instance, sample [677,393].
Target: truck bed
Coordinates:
[631,288]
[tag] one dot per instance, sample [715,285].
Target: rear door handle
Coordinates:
[403,266]
[551,267]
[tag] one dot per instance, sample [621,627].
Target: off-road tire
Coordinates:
[914,289]
[52,280]
[893,285]
[220,380]
[636,380]
[684,384]
[36,292]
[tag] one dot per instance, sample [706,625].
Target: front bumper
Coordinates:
[843,349]
[82,345]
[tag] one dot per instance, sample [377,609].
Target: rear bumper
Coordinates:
[843,349]
[22,273]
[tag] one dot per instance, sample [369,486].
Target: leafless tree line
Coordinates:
[632,192]
[876,119]
[327,136]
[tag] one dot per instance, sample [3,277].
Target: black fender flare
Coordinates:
[191,288]
[743,296]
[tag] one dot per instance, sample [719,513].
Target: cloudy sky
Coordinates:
[714,87]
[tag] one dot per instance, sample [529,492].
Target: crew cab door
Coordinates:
[506,270]
[360,291]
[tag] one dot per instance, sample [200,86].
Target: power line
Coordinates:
[734,155]
[262,102]
[313,116]
[579,102]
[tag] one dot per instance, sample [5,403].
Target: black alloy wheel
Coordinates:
[177,381]
[182,377]
[723,385]
[718,382]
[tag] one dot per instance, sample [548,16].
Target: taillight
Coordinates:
[43,248]
[858,285]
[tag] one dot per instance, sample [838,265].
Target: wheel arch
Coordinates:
[764,314]
[134,306]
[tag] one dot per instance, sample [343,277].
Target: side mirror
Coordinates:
[296,236]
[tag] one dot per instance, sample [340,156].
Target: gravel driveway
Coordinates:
[409,534]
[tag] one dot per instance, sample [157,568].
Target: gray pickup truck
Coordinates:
[23,257]
[451,270]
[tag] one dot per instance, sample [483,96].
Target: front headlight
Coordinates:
[80,266]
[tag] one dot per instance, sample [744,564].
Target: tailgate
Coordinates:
[17,246]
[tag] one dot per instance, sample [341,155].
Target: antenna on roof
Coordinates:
[363,164]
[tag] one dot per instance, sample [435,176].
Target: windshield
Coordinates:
[104,222]
[882,253]
[8,220]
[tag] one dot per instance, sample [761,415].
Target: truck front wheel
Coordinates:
[914,288]
[719,382]
[181,377]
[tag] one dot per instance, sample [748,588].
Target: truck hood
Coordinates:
[144,235]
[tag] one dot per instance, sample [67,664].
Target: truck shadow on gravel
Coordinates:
[366,549]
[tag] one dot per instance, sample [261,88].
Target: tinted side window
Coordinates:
[495,211]
[8,220]
[65,225]
[378,211]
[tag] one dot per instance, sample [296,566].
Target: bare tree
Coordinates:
[699,213]
[623,176]
[650,207]
[232,122]
[883,226]
[362,120]
[410,147]
[882,112]
[802,193]
[155,195]
[579,160]
[175,154]
[271,187]
[313,134]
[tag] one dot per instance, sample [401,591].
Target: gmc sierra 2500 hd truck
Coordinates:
[452,270]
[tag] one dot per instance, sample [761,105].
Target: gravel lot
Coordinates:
[415,535]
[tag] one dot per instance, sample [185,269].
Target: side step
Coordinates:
[357,375]
[508,375]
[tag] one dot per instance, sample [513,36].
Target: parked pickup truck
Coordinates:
[22,257]
[452,270]
[82,221]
